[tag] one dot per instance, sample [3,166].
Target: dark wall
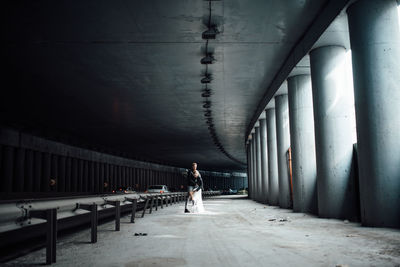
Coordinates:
[218,181]
[34,164]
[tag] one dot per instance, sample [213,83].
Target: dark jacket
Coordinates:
[197,183]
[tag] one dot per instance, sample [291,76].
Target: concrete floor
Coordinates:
[232,232]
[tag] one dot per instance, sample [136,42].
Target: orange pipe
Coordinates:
[290,172]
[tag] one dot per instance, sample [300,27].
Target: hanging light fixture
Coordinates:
[208,59]
[206,79]
[211,33]
[207,104]
[206,93]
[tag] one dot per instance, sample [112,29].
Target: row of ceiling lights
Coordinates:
[210,34]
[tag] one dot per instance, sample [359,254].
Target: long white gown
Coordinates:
[197,206]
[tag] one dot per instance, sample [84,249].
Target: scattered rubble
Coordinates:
[279,219]
[140,234]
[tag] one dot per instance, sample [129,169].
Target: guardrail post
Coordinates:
[162,201]
[134,208]
[156,197]
[145,206]
[93,219]
[93,223]
[50,215]
[151,205]
[116,204]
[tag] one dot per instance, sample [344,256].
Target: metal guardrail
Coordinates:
[207,194]
[27,213]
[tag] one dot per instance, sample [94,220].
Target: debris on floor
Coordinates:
[140,234]
[284,219]
[350,235]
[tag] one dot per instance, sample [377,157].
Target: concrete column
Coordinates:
[258,160]
[250,171]
[333,116]
[102,177]
[61,174]
[251,186]
[375,44]
[7,170]
[251,180]
[282,147]
[247,161]
[254,168]
[301,120]
[53,173]
[68,174]
[46,172]
[28,177]
[264,160]
[38,171]
[19,170]
[273,182]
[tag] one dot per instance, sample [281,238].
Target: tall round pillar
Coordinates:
[333,117]
[264,160]
[254,168]
[375,44]
[250,169]
[273,182]
[301,121]
[282,147]
[258,164]
[248,165]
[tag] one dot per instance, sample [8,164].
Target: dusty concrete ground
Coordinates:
[232,232]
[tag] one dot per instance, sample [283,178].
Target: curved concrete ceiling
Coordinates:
[126,74]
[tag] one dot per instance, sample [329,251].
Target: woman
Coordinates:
[195,185]
[197,199]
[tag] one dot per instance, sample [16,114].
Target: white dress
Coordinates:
[197,206]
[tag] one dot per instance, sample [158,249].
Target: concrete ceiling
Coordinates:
[126,74]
